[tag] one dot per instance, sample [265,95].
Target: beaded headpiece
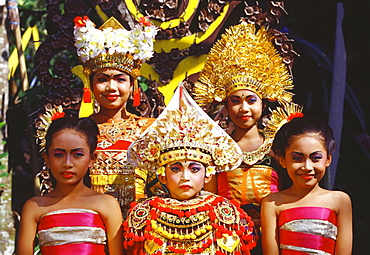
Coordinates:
[42,127]
[112,46]
[184,131]
[244,59]
[51,113]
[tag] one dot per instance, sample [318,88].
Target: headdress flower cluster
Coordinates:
[92,42]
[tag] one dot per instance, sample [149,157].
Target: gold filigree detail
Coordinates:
[244,59]
[276,120]
[184,131]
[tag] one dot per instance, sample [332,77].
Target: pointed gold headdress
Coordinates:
[244,59]
[184,131]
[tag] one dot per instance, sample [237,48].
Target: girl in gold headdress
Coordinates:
[185,148]
[242,72]
[111,57]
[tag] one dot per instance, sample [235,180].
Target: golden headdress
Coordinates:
[184,131]
[112,46]
[244,59]
[42,126]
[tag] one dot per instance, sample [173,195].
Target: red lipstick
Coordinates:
[111,97]
[67,174]
[185,187]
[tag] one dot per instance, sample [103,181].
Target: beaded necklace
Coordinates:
[207,224]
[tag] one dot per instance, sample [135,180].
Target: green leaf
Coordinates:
[3,174]
[3,155]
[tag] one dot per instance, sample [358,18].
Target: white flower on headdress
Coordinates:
[91,42]
[161,171]
[210,170]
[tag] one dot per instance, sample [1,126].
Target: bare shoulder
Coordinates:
[33,207]
[33,202]
[341,197]
[338,196]
[270,197]
[109,199]
[104,203]
[277,197]
[336,200]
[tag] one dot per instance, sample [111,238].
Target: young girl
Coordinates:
[72,218]
[243,72]
[305,218]
[112,57]
[185,148]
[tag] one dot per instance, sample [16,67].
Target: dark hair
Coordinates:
[300,126]
[84,126]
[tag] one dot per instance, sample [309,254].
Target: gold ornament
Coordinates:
[51,113]
[244,59]
[273,123]
[184,131]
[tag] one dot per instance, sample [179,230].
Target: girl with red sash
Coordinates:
[72,218]
[305,218]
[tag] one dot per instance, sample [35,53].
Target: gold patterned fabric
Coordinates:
[111,173]
[206,224]
[249,184]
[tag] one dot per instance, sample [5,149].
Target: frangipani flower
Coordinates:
[91,42]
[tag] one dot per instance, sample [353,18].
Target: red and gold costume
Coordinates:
[207,224]
[111,173]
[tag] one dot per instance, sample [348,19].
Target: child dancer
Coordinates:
[71,219]
[111,57]
[185,148]
[243,72]
[305,218]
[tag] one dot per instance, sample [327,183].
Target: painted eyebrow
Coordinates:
[301,154]
[176,164]
[195,164]
[106,75]
[190,165]
[73,150]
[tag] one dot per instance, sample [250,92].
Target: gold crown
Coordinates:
[244,59]
[184,131]
[113,46]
